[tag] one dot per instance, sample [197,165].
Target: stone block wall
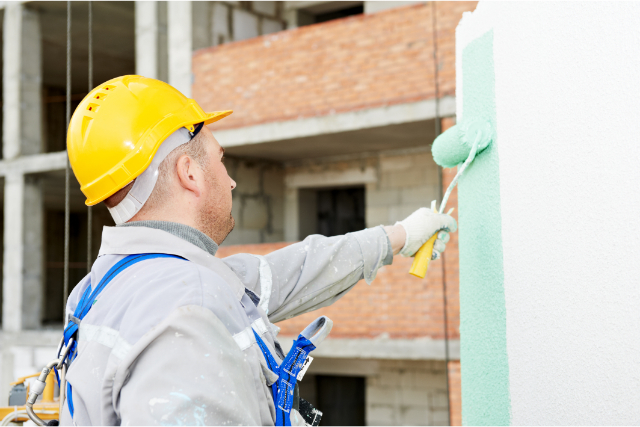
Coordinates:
[407,393]
[406,182]
[258,202]
[397,392]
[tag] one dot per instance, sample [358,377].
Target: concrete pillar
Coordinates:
[291,215]
[201,24]
[22,82]
[163,53]
[33,253]
[23,199]
[180,45]
[220,24]
[13,262]
[147,45]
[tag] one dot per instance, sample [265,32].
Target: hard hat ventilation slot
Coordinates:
[109,88]
[93,107]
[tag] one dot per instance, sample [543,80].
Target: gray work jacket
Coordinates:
[169,341]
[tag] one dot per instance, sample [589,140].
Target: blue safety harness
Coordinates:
[282,390]
[86,302]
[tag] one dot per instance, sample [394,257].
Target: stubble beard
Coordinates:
[231,223]
[216,227]
[214,223]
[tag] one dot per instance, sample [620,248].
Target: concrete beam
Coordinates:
[379,6]
[381,348]
[43,338]
[331,178]
[147,38]
[335,123]
[180,45]
[34,164]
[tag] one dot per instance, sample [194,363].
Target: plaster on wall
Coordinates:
[485,369]
[566,85]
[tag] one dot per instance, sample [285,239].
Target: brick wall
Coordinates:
[348,64]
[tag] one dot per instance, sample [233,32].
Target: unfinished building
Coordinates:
[335,107]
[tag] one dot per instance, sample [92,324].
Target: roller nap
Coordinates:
[454,145]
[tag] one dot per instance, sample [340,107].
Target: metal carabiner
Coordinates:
[65,353]
[36,390]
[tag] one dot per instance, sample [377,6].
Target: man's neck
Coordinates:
[185,232]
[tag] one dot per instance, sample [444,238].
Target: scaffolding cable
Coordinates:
[89,212]
[442,257]
[67,173]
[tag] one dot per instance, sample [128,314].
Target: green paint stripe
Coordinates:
[483,352]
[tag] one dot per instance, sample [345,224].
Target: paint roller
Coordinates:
[462,141]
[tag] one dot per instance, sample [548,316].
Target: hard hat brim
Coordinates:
[216,115]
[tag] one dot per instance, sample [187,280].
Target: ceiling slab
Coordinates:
[392,137]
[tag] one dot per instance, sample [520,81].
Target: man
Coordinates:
[184,337]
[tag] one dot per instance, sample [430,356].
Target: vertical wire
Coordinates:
[444,273]
[89,212]
[67,172]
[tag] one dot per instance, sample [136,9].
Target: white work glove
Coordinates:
[421,225]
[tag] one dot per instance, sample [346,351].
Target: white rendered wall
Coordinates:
[567,85]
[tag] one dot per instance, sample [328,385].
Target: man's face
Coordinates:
[216,220]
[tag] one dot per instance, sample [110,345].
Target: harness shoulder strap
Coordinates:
[88,299]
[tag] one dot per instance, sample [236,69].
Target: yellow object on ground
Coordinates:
[117,129]
[48,408]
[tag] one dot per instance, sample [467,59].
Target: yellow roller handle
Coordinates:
[422,257]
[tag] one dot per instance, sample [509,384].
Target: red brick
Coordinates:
[392,51]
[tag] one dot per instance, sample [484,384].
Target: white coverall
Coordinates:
[169,341]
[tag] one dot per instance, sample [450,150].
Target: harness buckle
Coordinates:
[74,319]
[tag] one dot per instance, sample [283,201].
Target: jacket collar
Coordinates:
[144,240]
[183,231]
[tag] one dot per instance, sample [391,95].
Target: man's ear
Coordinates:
[190,176]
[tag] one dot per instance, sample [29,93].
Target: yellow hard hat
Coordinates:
[117,129]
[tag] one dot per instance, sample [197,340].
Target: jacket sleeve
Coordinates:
[188,371]
[313,273]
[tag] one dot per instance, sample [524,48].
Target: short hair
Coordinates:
[196,149]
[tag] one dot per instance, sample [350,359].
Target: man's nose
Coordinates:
[233,183]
